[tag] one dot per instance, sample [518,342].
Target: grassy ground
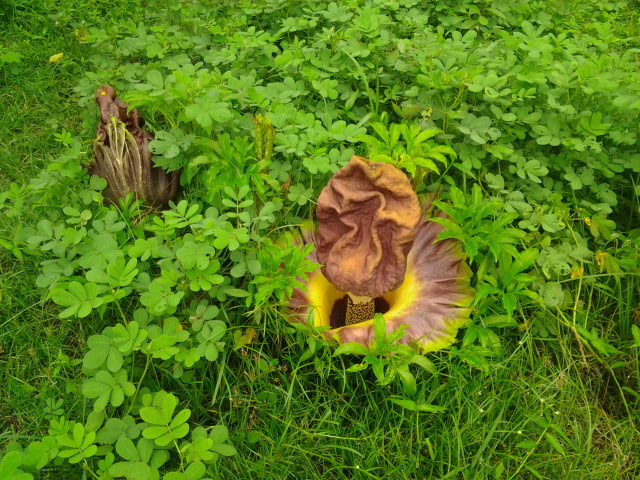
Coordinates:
[547,408]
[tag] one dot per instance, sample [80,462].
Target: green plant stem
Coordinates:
[122,315]
[139,383]
[175,444]
[529,453]
[88,468]
[363,77]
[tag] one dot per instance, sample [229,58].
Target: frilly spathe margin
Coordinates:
[432,300]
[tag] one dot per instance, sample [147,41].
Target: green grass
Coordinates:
[548,407]
[336,427]
[36,101]
[36,95]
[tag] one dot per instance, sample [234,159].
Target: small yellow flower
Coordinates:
[524,325]
[577,272]
[56,58]
[600,258]
[587,220]
[81,35]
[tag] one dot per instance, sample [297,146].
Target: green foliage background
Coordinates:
[141,344]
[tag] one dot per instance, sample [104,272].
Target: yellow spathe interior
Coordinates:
[322,296]
[401,299]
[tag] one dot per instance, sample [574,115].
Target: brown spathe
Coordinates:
[367,217]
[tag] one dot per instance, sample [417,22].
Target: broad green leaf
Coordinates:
[167,405]
[426,407]
[99,347]
[155,415]
[170,144]
[117,396]
[115,428]
[224,449]
[145,449]
[425,363]
[527,444]
[131,470]
[102,401]
[358,367]
[180,431]
[552,294]
[154,77]
[408,380]
[127,450]
[93,389]
[121,274]
[219,434]
[180,418]
[80,299]
[9,467]
[554,442]
[154,432]
[635,331]
[353,348]
[379,327]
[38,454]
[162,347]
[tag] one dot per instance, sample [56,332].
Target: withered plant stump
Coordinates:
[121,155]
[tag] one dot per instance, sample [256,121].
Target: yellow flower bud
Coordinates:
[56,58]
[600,257]
[577,272]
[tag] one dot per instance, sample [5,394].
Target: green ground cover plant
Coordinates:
[146,344]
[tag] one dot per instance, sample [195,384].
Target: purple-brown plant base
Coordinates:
[121,155]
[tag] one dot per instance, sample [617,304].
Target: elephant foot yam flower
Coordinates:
[367,216]
[122,157]
[380,255]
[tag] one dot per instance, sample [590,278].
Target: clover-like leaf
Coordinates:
[209,339]
[102,352]
[128,338]
[127,449]
[195,471]
[121,274]
[207,447]
[80,299]
[108,389]
[196,255]
[9,467]
[170,144]
[160,298]
[165,427]
[38,454]
[230,237]
[115,428]
[208,110]
[131,470]
[204,279]
[77,446]
[162,347]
